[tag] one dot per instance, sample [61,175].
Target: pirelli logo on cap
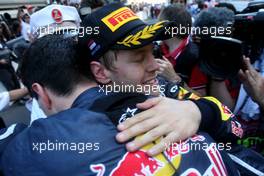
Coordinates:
[119,17]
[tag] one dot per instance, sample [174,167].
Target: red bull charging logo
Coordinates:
[137,163]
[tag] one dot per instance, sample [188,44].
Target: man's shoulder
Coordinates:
[69,134]
[62,125]
[74,117]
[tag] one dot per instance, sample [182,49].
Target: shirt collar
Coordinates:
[86,99]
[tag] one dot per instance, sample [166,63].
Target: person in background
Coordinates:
[30,9]
[251,108]
[20,13]
[5,33]
[180,53]
[25,27]
[224,90]
[16,28]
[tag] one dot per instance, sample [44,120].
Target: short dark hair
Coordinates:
[215,17]
[92,3]
[227,5]
[51,62]
[178,14]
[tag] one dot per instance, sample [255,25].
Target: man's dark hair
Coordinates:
[178,14]
[92,3]
[51,62]
[227,5]
[215,17]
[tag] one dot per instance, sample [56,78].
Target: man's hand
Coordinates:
[173,119]
[167,71]
[253,82]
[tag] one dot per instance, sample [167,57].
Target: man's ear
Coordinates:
[42,95]
[101,74]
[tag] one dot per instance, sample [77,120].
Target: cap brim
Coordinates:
[144,35]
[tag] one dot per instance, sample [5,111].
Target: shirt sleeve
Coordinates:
[217,120]
[4,100]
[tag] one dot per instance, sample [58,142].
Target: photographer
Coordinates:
[252,37]
[249,106]
[7,73]
[221,88]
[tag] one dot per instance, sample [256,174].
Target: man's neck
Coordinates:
[173,44]
[65,102]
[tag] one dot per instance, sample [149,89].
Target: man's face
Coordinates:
[135,67]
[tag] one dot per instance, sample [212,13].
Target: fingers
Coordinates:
[162,65]
[159,73]
[249,67]
[164,58]
[149,103]
[161,70]
[164,144]
[147,138]
[137,129]
[250,78]
[249,74]
[136,119]
[165,62]
[242,76]
[247,63]
[160,61]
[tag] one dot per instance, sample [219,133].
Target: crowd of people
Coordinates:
[126,97]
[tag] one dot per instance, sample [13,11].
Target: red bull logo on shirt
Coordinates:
[137,163]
